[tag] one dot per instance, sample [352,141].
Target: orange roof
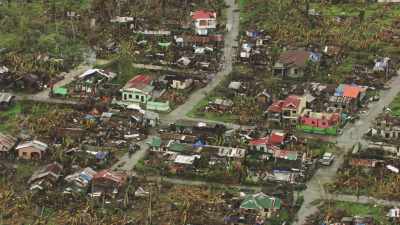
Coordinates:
[352,91]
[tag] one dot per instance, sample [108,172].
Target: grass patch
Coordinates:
[395,106]
[196,112]
[8,118]
[355,209]
[124,69]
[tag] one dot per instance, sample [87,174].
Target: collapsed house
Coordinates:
[179,82]
[7,143]
[46,177]
[107,181]
[386,127]
[6,100]
[88,82]
[81,178]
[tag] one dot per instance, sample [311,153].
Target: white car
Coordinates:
[327,159]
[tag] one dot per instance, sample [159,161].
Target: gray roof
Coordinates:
[7,142]
[5,97]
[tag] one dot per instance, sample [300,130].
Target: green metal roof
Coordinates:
[60,91]
[155,142]
[260,201]
[164,45]
[177,147]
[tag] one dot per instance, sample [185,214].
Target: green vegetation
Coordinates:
[33,30]
[355,209]
[395,106]
[197,112]
[359,29]
[34,117]
[9,118]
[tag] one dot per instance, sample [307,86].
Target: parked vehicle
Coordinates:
[327,159]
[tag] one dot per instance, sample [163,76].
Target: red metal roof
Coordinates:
[290,102]
[276,107]
[203,14]
[277,138]
[260,141]
[273,139]
[139,82]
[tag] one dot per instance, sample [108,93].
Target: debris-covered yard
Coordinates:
[331,212]
[211,153]
[312,50]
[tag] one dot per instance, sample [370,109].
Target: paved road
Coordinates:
[230,42]
[201,183]
[351,136]
[43,96]
[364,200]
[165,121]
[128,163]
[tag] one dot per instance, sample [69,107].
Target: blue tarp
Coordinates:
[101,155]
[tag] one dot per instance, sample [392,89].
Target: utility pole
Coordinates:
[149,212]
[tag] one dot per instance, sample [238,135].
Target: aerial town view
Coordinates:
[200,112]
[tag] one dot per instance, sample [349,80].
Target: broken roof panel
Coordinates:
[117,177]
[298,58]
[260,201]
[7,142]
[6,98]
[140,82]
[185,159]
[33,144]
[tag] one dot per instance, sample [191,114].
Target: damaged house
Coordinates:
[87,83]
[262,204]
[6,100]
[386,127]
[293,63]
[140,90]
[348,97]
[7,143]
[286,111]
[265,144]
[31,149]
[46,177]
[107,181]
[179,82]
[81,178]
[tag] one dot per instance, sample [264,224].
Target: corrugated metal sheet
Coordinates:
[7,142]
[5,98]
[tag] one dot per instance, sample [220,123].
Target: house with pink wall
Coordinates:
[319,120]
